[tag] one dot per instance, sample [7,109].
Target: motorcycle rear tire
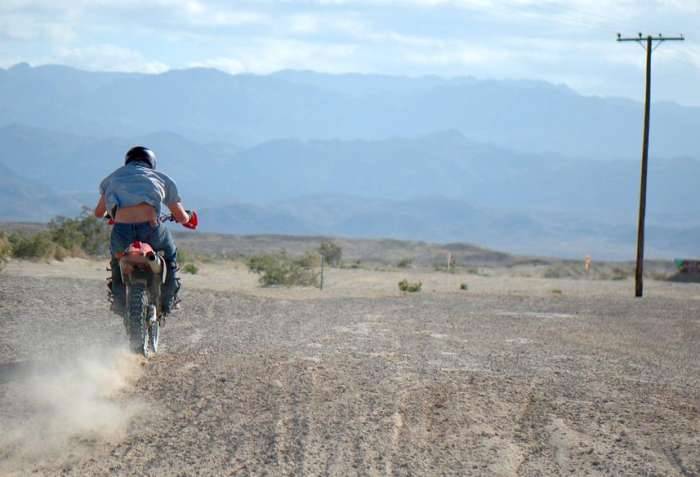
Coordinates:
[138,326]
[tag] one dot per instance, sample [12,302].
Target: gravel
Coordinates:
[428,384]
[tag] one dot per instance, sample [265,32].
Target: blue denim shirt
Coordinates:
[135,184]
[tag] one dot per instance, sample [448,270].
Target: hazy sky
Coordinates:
[561,41]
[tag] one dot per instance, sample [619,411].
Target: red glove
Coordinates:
[193,222]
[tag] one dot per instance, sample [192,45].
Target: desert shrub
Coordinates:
[409,287]
[331,252]
[66,237]
[38,245]
[556,291]
[310,260]
[186,260]
[85,234]
[190,268]
[5,250]
[280,269]
[405,263]
[463,286]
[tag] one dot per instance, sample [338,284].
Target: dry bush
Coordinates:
[5,250]
[37,246]
[85,234]
[280,269]
[409,287]
[331,252]
[190,268]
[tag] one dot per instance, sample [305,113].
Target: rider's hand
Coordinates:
[193,222]
[110,219]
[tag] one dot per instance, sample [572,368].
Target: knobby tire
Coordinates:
[138,329]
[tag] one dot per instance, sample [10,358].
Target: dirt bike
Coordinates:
[143,273]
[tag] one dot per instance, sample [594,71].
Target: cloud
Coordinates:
[23,28]
[109,58]
[269,55]
[543,39]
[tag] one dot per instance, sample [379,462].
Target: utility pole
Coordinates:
[649,47]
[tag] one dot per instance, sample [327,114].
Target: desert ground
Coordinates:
[518,375]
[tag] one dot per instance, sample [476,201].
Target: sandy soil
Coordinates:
[515,376]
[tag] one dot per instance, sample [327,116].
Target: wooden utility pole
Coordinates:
[649,47]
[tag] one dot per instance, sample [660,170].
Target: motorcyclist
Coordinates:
[132,195]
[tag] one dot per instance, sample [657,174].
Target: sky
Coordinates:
[568,42]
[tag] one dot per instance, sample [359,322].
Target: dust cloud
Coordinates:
[59,408]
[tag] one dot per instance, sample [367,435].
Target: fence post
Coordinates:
[321,286]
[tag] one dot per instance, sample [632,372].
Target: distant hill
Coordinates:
[438,187]
[208,105]
[443,165]
[443,220]
[25,200]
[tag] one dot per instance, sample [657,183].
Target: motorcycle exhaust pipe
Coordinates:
[154,262]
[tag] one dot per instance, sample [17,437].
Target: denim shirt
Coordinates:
[135,184]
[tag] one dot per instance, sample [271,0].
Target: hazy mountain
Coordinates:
[446,221]
[208,105]
[25,200]
[439,187]
[443,165]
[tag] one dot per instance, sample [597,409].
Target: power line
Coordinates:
[649,43]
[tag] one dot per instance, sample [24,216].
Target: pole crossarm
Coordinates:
[658,38]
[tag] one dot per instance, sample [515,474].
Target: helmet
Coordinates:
[141,154]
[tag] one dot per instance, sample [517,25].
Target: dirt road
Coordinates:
[470,383]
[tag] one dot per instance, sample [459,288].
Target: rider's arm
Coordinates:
[178,211]
[101,208]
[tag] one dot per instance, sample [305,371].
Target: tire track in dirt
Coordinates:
[677,463]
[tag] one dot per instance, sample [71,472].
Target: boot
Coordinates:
[170,289]
[116,288]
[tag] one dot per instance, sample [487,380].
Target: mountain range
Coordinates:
[533,168]
[207,105]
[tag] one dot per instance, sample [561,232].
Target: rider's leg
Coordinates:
[162,240]
[119,241]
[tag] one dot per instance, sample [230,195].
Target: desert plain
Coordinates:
[516,375]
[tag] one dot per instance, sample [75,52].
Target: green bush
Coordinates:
[190,268]
[5,250]
[409,287]
[65,237]
[463,286]
[331,252]
[38,245]
[85,234]
[280,269]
